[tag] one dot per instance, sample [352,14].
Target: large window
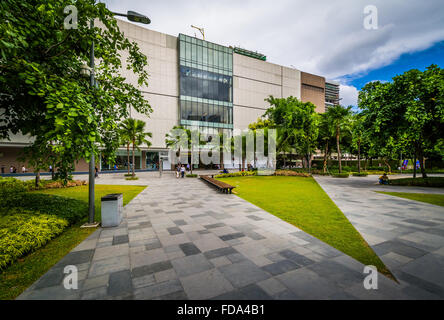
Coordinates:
[206,83]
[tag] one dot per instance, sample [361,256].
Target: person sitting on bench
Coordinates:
[383,179]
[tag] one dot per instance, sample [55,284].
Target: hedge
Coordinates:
[26,231]
[362,174]
[236,174]
[436,182]
[291,173]
[72,210]
[340,175]
[191,175]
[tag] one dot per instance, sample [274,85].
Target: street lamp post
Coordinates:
[131,16]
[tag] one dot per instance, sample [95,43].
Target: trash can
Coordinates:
[112,210]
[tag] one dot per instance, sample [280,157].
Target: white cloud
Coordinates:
[349,95]
[323,37]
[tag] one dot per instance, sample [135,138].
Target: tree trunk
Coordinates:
[37,179]
[134,158]
[128,154]
[414,165]
[325,157]
[359,156]
[338,149]
[388,165]
[421,163]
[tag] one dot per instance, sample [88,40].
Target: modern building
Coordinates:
[331,93]
[197,83]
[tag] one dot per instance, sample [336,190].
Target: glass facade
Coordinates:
[206,84]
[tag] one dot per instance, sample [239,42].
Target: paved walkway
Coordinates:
[183,240]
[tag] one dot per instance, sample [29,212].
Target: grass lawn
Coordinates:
[302,202]
[24,272]
[81,193]
[437,199]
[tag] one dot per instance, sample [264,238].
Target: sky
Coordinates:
[324,37]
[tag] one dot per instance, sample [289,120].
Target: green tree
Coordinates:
[42,92]
[134,131]
[297,124]
[406,114]
[338,118]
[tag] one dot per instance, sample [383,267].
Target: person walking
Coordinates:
[11,169]
[178,171]
[96,172]
[23,169]
[182,171]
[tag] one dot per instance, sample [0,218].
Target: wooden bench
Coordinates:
[221,186]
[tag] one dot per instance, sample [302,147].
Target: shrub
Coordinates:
[24,232]
[11,186]
[362,174]
[236,174]
[191,175]
[291,173]
[340,175]
[72,210]
[128,174]
[132,178]
[436,182]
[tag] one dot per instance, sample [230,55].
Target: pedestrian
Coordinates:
[182,171]
[188,167]
[3,169]
[11,169]
[23,169]
[96,172]
[177,171]
[50,168]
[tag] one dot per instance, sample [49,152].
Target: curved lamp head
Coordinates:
[137,17]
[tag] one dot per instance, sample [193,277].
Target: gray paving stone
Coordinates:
[174,230]
[120,283]
[232,236]
[219,252]
[254,292]
[158,290]
[191,264]
[120,239]
[243,273]
[189,248]
[255,218]
[205,285]
[76,257]
[52,278]
[215,225]
[150,269]
[280,267]
[300,260]
[399,248]
[180,222]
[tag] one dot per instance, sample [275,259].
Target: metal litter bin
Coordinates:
[112,210]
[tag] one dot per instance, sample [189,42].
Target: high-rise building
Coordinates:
[331,93]
[196,83]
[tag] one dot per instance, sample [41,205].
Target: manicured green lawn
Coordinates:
[81,193]
[302,202]
[24,272]
[437,199]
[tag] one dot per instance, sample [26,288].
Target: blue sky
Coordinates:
[417,60]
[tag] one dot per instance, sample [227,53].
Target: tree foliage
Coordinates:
[42,93]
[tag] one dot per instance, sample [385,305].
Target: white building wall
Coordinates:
[162,91]
[255,80]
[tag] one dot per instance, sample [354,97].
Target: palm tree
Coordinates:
[133,131]
[338,117]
